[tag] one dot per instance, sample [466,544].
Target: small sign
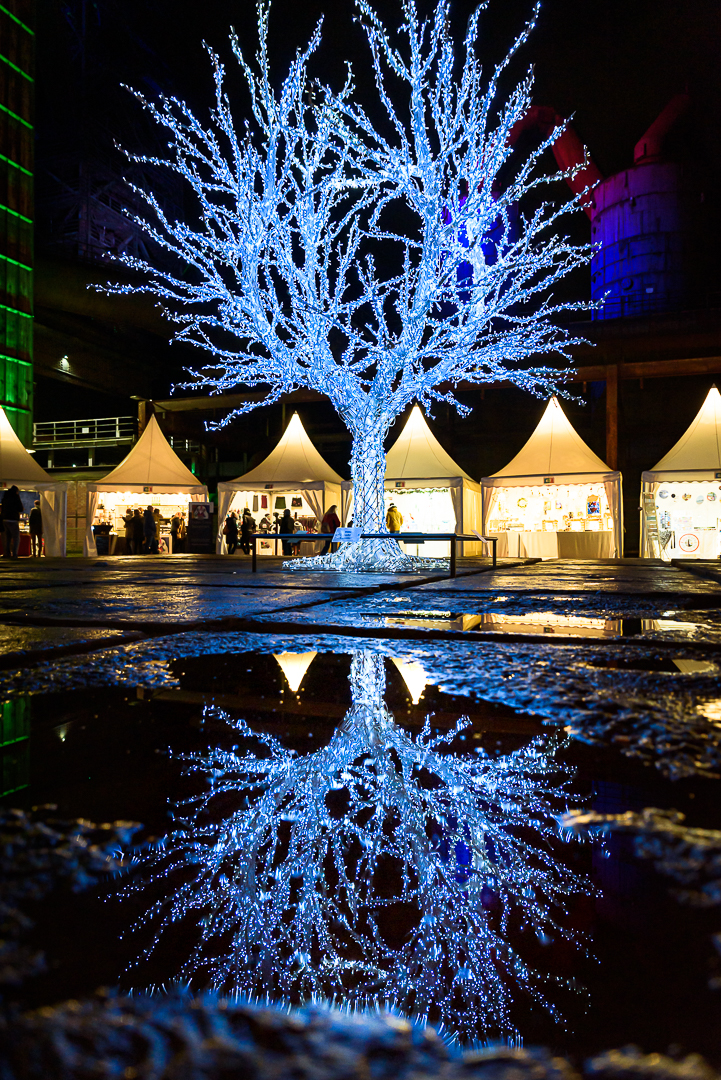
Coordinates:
[148,488]
[347,535]
[717,476]
[400,483]
[549,480]
[268,487]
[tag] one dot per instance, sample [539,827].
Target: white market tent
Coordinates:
[151,470]
[680,496]
[294,467]
[19,467]
[555,465]
[418,472]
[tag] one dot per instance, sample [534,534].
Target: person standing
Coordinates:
[230,531]
[247,528]
[177,533]
[129,533]
[329,524]
[148,531]
[287,526]
[394,519]
[12,509]
[35,524]
[156,539]
[137,532]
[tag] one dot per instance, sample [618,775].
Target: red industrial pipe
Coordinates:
[650,146]
[568,150]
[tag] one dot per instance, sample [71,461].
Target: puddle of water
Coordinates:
[320,837]
[545,623]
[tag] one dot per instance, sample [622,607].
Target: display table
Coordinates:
[25,549]
[585,545]
[555,545]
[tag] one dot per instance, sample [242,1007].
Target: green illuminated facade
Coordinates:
[17,50]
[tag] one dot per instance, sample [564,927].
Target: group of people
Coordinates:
[232,530]
[239,533]
[142,531]
[12,512]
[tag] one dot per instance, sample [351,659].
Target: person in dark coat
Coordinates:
[129,533]
[231,532]
[247,528]
[329,524]
[137,532]
[286,526]
[148,531]
[12,509]
[35,524]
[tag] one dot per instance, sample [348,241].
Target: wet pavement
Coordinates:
[258,724]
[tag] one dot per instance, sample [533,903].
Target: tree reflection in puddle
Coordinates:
[381,869]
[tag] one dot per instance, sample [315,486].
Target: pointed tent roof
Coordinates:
[700,445]
[294,667]
[416,454]
[555,448]
[17,466]
[294,459]
[152,461]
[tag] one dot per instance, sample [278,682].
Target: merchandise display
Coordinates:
[680,496]
[19,468]
[152,474]
[556,498]
[293,477]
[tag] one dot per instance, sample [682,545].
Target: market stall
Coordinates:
[293,477]
[152,474]
[19,467]
[681,495]
[556,498]
[431,491]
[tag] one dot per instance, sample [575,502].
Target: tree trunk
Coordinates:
[368,468]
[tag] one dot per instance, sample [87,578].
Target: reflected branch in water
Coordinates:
[380,869]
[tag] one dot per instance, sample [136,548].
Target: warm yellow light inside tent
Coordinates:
[294,667]
[413,676]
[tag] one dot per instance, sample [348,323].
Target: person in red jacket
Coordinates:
[329,524]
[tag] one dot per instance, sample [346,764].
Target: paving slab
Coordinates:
[627,577]
[20,644]
[142,604]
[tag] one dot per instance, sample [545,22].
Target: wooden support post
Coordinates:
[612,416]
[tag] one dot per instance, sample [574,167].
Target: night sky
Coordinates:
[614,63]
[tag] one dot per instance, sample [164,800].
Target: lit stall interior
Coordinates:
[19,468]
[681,495]
[293,477]
[431,491]
[152,474]
[556,498]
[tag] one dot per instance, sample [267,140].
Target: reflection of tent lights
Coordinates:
[413,676]
[294,666]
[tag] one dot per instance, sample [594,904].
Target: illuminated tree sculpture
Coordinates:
[294,869]
[378,264]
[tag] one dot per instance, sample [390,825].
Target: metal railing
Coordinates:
[106,431]
[417,538]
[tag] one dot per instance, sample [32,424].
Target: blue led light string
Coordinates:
[287,862]
[300,203]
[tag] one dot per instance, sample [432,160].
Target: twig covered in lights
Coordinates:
[295,868]
[379,265]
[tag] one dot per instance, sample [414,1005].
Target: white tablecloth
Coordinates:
[555,545]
